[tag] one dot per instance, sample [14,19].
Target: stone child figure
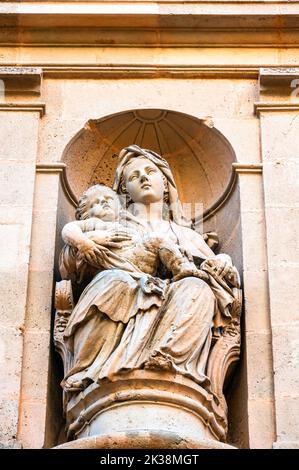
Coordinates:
[103,239]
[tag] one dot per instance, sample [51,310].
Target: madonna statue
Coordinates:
[156,301]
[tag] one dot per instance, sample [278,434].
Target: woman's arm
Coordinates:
[195,243]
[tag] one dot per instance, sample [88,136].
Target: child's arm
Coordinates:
[73,234]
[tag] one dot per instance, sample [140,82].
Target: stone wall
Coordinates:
[143,56]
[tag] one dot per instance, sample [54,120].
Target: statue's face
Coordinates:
[144,181]
[104,204]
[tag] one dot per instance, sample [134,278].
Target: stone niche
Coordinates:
[201,160]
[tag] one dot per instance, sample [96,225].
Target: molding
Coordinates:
[21,107]
[278,90]
[67,189]
[146,70]
[153,23]
[247,167]
[103,37]
[21,80]
[262,107]
[168,2]
[55,167]
[108,70]
[60,168]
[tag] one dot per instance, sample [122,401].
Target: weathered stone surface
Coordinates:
[262,423]
[278,133]
[143,440]
[259,346]
[108,76]
[11,345]
[256,301]
[97,349]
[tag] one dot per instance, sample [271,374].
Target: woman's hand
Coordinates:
[109,239]
[219,266]
[191,271]
[186,252]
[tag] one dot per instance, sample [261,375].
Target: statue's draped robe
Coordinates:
[116,326]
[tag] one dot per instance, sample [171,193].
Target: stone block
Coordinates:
[286,361]
[13,298]
[56,134]
[281,182]
[18,135]
[243,135]
[280,136]
[16,214]
[14,248]
[284,291]
[254,253]
[46,191]
[36,361]
[283,235]
[251,192]
[33,418]
[199,91]
[256,301]
[286,445]
[261,421]
[259,366]
[9,409]
[39,299]
[11,351]
[287,412]
[43,240]
[9,247]
[16,183]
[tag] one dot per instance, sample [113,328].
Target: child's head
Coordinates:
[98,201]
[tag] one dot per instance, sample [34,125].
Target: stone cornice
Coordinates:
[247,167]
[278,90]
[279,83]
[52,167]
[261,107]
[23,81]
[27,106]
[146,70]
[163,24]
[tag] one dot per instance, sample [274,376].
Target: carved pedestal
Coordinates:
[146,409]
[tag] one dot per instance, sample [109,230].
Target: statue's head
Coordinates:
[142,181]
[144,176]
[98,201]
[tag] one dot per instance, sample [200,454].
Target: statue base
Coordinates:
[143,440]
[146,409]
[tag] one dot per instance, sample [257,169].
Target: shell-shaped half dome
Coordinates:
[200,157]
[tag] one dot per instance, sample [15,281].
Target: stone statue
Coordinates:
[155,298]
